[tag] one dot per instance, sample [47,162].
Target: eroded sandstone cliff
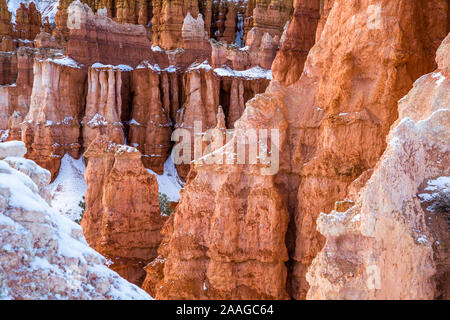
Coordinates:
[107,103]
[154,105]
[390,244]
[51,127]
[122,220]
[97,38]
[337,113]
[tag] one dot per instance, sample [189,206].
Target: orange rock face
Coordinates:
[205,91]
[167,21]
[107,103]
[61,29]
[122,220]
[28,21]
[6,34]
[17,97]
[337,115]
[52,126]
[122,11]
[97,38]
[8,68]
[354,117]
[260,50]
[225,21]
[196,46]
[325,8]
[152,108]
[267,16]
[5,20]
[235,92]
[299,38]
[226,226]
[394,248]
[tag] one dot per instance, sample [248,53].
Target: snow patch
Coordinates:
[97,120]
[66,61]
[169,183]
[155,67]
[157,49]
[4,135]
[252,73]
[437,189]
[422,239]
[120,67]
[133,122]
[69,188]
[440,78]
[198,66]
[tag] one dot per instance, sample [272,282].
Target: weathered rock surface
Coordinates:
[8,68]
[206,89]
[386,246]
[122,220]
[269,16]
[167,22]
[352,115]
[227,225]
[52,126]
[15,97]
[5,21]
[299,38]
[155,101]
[338,114]
[44,255]
[107,103]
[97,38]
[259,51]
[28,21]
[235,92]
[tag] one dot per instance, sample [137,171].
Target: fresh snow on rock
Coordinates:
[120,67]
[197,66]
[69,188]
[155,67]
[66,61]
[133,122]
[440,78]
[169,182]
[12,148]
[157,49]
[436,190]
[252,73]
[97,120]
[43,255]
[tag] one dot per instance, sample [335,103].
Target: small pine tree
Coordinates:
[441,203]
[164,204]
[82,205]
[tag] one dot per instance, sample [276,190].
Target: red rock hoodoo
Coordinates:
[107,103]
[28,21]
[155,101]
[52,126]
[122,220]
